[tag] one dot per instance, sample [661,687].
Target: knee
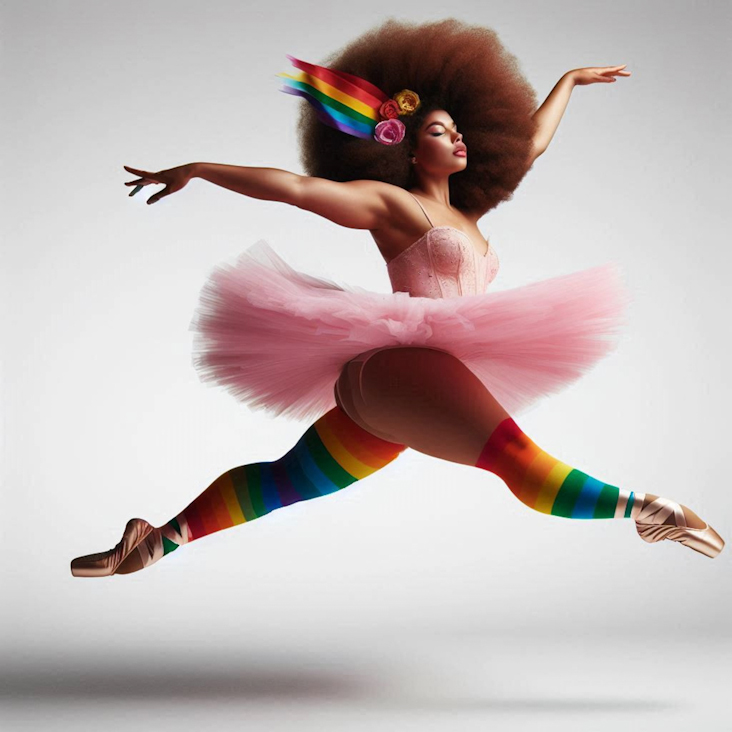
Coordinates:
[518,442]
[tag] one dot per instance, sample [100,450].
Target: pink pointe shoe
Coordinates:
[650,526]
[106,563]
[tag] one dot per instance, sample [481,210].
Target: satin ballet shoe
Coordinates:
[650,527]
[106,563]
[147,552]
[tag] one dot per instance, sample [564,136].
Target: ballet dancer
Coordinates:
[416,148]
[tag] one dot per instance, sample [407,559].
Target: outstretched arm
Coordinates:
[357,204]
[550,113]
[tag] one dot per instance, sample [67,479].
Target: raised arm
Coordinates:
[551,111]
[359,204]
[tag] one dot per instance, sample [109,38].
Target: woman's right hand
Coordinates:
[174,179]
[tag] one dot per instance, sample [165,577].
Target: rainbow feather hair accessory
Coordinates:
[349,103]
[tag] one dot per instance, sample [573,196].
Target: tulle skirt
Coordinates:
[277,338]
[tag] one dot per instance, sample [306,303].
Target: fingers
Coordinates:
[139,183]
[145,177]
[144,180]
[142,173]
[608,73]
[616,70]
[158,196]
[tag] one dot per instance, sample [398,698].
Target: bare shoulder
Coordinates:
[397,210]
[396,198]
[356,204]
[403,223]
[407,212]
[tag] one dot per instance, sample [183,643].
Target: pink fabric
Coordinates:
[277,338]
[442,263]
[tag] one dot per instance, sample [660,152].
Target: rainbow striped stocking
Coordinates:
[333,453]
[548,485]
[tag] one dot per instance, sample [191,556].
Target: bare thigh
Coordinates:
[424,398]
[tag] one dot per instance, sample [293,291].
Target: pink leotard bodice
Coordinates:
[443,262]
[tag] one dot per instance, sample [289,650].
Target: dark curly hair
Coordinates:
[463,69]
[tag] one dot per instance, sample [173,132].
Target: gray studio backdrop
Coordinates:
[104,417]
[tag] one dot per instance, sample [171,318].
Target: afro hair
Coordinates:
[463,69]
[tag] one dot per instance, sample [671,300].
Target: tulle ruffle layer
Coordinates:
[277,338]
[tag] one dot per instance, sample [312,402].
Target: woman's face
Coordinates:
[438,141]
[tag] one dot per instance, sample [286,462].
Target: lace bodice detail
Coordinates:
[443,262]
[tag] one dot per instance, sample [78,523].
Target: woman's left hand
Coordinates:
[597,74]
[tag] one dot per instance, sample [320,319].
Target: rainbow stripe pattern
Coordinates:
[343,101]
[333,453]
[548,485]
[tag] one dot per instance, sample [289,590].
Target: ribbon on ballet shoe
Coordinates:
[658,510]
[151,549]
[147,552]
[706,540]
[177,530]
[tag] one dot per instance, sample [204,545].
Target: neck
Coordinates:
[436,189]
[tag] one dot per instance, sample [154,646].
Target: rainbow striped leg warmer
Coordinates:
[333,453]
[548,485]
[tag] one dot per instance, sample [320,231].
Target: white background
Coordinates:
[104,418]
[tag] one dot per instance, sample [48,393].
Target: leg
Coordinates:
[430,401]
[333,453]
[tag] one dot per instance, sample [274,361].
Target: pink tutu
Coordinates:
[277,338]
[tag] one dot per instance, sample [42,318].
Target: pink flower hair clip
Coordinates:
[391,130]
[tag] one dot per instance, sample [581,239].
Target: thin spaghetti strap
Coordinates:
[422,207]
